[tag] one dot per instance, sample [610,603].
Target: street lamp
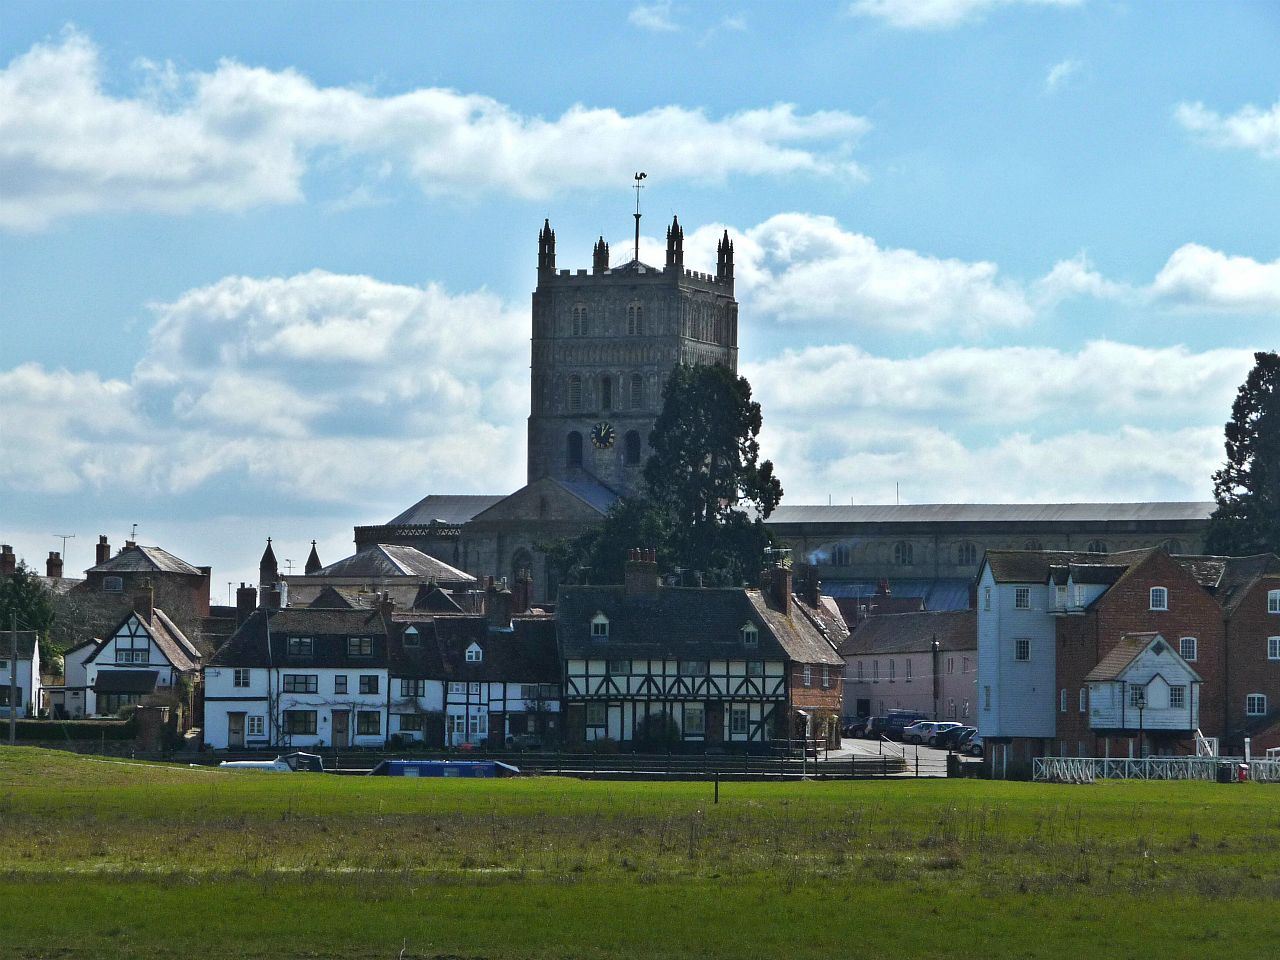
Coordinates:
[1140,701]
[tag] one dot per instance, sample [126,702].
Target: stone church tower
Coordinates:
[603,345]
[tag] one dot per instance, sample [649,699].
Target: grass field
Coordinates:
[102,859]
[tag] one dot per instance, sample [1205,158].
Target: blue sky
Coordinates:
[266,267]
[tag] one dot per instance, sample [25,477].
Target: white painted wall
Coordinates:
[1022,693]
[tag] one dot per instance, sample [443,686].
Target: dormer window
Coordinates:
[1159,598]
[299,646]
[411,637]
[750,635]
[360,646]
[474,653]
[599,627]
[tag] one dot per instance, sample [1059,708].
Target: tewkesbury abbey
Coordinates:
[450,625]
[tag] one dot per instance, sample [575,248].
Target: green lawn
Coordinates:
[134,860]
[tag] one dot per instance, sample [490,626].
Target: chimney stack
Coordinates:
[811,586]
[640,575]
[53,566]
[269,597]
[8,561]
[144,603]
[102,553]
[499,608]
[246,600]
[522,593]
[780,586]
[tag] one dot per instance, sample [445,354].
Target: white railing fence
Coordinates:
[1092,769]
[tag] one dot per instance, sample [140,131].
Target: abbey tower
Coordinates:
[604,343]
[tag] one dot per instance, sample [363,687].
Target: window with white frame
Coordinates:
[299,646]
[596,715]
[807,676]
[135,649]
[1255,704]
[473,689]
[875,671]
[457,687]
[893,671]
[1084,699]
[474,653]
[301,683]
[908,669]
[360,647]
[755,668]
[618,668]
[695,719]
[840,556]
[1062,700]
[240,677]
[256,726]
[1177,697]
[478,725]
[738,720]
[1022,650]
[750,635]
[1273,648]
[1022,598]
[1159,598]
[964,708]
[693,668]
[300,722]
[340,683]
[1273,601]
[1188,648]
[368,722]
[826,677]
[986,598]
[412,688]
[113,584]
[1137,696]
[599,627]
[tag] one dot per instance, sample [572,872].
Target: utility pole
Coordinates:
[13,677]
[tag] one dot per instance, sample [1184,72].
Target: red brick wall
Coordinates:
[822,704]
[1248,669]
[1126,608]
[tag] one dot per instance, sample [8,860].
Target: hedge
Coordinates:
[73,729]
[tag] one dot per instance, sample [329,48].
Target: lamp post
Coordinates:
[1140,701]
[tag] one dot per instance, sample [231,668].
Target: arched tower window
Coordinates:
[637,391]
[575,392]
[635,320]
[579,320]
[840,555]
[903,554]
[967,555]
[633,448]
[606,393]
[574,449]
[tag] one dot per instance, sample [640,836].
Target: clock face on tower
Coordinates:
[603,435]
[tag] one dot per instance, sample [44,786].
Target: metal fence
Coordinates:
[1090,769]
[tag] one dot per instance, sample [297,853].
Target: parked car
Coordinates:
[951,739]
[855,728]
[972,746]
[927,731]
[897,721]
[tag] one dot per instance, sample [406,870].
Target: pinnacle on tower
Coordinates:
[600,256]
[268,569]
[313,561]
[724,258]
[546,249]
[675,245]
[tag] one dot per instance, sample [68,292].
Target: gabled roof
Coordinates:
[993,512]
[140,559]
[688,623]
[181,653]
[529,500]
[261,641]
[1037,566]
[526,653]
[431,599]
[1229,578]
[450,509]
[342,598]
[914,633]
[1131,646]
[393,560]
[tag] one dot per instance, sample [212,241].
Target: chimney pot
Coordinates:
[102,553]
[246,600]
[53,566]
[640,573]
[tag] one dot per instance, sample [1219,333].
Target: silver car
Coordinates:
[926,731]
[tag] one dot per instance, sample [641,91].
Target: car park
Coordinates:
[951,739]
[899,720]
[927,731]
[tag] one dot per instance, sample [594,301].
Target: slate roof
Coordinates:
[454,510]
[527,653]
[393,560]
[341,598]
[1229,578]
[992,512]
[126,681]
[173,643]
[914,632]
[593,494]
[140,559]
[939,593]
[1035,566]
[262,640]
[686,623]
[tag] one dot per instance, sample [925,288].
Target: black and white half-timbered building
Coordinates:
[650,664]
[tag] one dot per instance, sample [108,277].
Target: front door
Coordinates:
[235,731]
[341,728]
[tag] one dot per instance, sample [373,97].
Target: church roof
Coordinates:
[592,493]
[393,560]
[139,559]
[453,509]
[993,512]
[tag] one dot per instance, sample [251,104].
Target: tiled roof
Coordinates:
[526,653]
[262,640]
[992,512]
[1119,657]
[342,598]
[685,623]
[914,632]
[1229,578]
[1034,566]
[140,559]
[939,593]
[125,681]
[393,560]
[173,643]
[450,509]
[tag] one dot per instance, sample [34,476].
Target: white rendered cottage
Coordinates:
[27,671]
[146,653]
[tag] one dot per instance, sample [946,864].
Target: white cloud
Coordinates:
[805,269]
[1198,278]
[1060,73]
[1249,128]
[653,16]
[241,136]
[1076,278]
[938,14]
[1037,388]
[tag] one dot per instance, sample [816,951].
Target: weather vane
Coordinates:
[639,176]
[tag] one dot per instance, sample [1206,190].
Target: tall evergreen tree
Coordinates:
[1247,488]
